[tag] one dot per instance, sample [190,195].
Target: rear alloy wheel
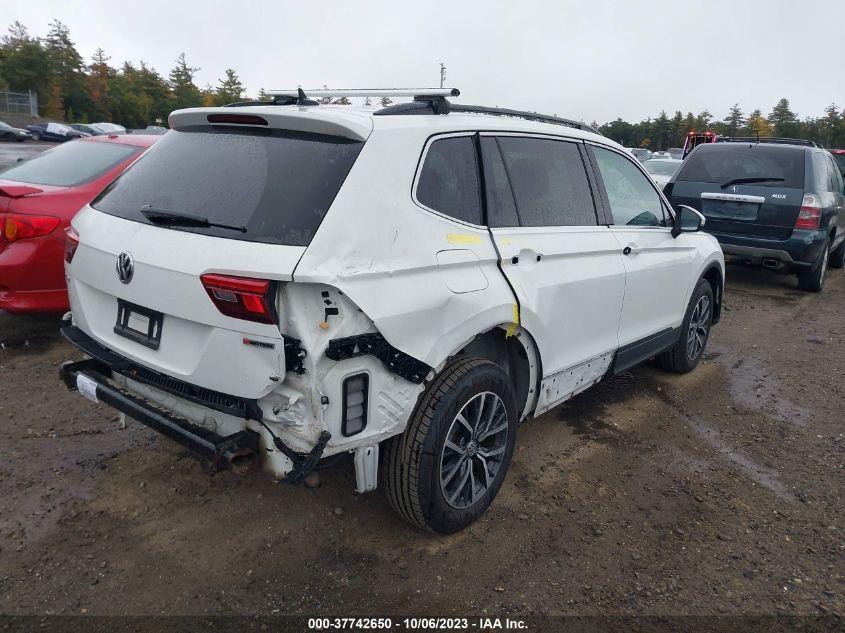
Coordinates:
[837,256]
[813,281]
[445,470]
[685,355]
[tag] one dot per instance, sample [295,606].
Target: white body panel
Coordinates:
[429,284]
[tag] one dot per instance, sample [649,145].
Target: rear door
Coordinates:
[199,302]
[747,190]
[564,266]
[658,266]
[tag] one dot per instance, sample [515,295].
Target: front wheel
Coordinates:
[685,355]
[813,281]
[445,470]
[36,136]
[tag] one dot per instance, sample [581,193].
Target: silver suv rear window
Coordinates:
[277,184]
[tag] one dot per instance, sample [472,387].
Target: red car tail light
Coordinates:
[71,243]
[20,227]
[811,212]
[240,297]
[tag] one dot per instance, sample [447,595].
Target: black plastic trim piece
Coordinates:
[374,344]
[294,355]
[638,351]
[199,440]
[343,428]
[423,105]
[233,405]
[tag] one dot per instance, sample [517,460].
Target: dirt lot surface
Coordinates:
[718,492]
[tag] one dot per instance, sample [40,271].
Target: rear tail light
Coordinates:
[355,390]
[71,243]
[811,212]
[21,227]
[240,297]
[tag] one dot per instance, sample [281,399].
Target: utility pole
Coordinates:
[442,74]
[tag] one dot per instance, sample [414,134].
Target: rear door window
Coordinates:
[754,164]
[632,197]
[448,180]
[277,184]
[549,182]
[70,164]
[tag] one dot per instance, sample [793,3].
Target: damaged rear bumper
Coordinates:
[224,452]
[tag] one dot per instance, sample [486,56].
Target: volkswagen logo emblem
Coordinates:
[125,267]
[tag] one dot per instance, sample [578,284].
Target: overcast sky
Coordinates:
[592,60]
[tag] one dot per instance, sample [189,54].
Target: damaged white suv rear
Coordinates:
[276,284]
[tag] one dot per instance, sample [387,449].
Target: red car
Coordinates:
[38,199]
[839,155]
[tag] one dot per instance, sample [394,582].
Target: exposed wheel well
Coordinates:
[714,276]
[517,355]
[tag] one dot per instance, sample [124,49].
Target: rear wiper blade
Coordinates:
[171,218]
[743,181]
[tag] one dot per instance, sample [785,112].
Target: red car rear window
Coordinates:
[72,163]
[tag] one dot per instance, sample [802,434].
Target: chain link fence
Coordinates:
[19,102]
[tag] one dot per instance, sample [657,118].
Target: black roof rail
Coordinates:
[423,105]
[776,140]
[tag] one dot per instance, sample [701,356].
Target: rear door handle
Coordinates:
[631,249]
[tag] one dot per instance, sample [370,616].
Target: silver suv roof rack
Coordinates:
[425,101]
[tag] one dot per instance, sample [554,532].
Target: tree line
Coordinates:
[663,132]
[136,95]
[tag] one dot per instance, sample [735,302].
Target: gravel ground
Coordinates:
[718,492]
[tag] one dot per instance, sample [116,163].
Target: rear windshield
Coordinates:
[70,164]
[725,163]
[276,183]
[840,161]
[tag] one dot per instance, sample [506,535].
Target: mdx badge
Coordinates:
[125,267]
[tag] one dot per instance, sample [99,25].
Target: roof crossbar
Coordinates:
[368,92]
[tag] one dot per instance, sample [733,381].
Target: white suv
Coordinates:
[280,283]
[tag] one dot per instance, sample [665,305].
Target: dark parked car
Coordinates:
[778,204]
[9,133]
[54,132]
[839,157]
[83,127]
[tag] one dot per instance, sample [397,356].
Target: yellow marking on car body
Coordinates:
[462,238]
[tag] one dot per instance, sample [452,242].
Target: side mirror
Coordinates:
[687,220]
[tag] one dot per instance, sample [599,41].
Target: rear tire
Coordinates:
[445,470]
[685,355]
[813,281]
[837,256]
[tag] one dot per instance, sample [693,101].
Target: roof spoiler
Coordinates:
[329,122]
[18,191]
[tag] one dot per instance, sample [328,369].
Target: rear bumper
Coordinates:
[232,405]
[220,451]
[799,252]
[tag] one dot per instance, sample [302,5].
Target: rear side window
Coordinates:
[840,161]
[71,164]
[836,176]
[752,164]
[549,182]
[448,180]
[277,184]
[632,197]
